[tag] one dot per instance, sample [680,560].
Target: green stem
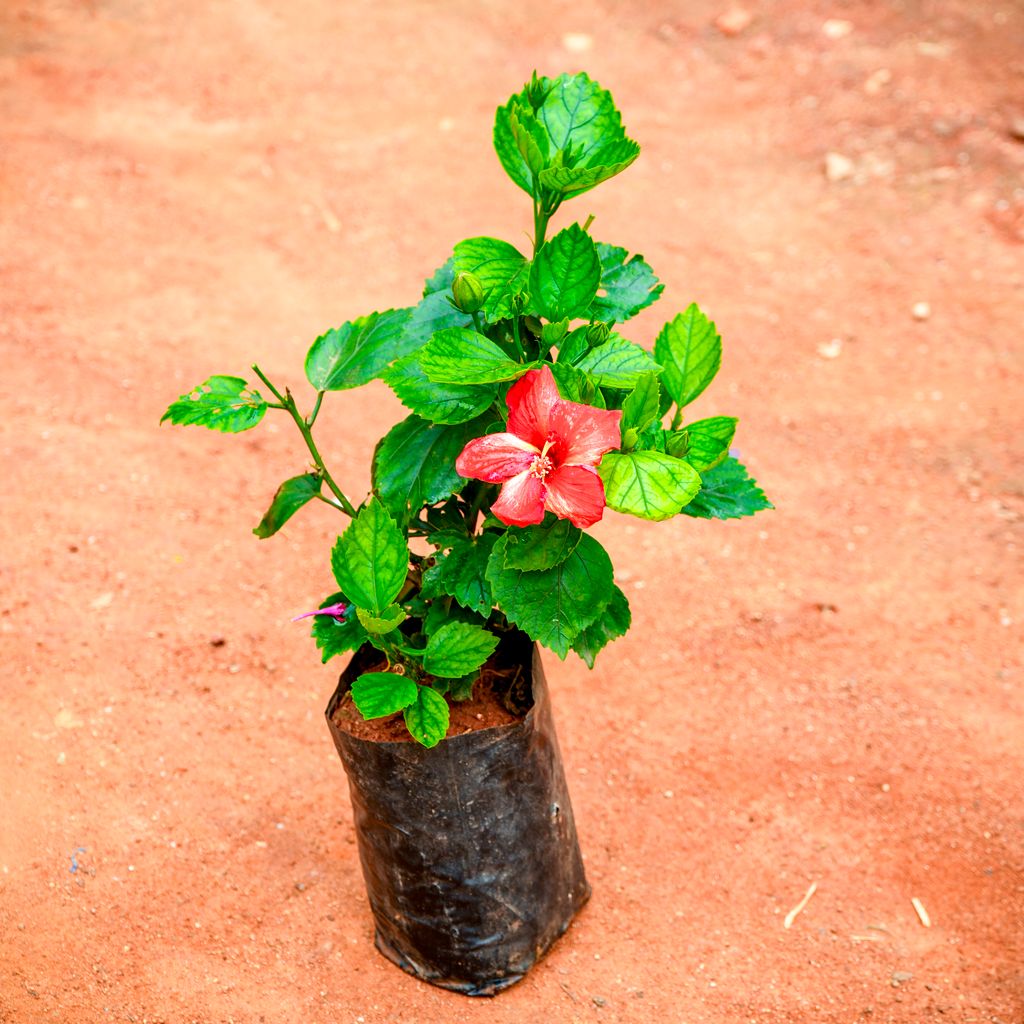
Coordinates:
[474,510]
[333,504]
[266,380]
[540,225]
[677,420]
[515,337]
[304,425]
[311,418]
[476,323]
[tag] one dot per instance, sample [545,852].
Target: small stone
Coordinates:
[1015,128]
[899,977]
[103,601]
[577,42]
[937,50]
[733,21]
[837,28]
[921,311]
[877,81]
[838,167]
[830,349]
[65,719]
[599,1002]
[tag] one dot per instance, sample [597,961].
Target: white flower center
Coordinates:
[542,464]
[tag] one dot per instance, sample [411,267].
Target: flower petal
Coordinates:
[575,493]
[584,433]
[521,502]
[495,457]
[530,401]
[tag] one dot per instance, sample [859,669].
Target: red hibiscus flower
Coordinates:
[546,460]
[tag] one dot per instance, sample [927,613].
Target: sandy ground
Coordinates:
[829,693]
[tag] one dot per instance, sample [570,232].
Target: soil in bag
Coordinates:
[469,849]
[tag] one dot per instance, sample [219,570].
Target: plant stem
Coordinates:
[307,436]
[266,380]
[540,225]
[515,338]
[304,425]
[311,418]
[677,419]
[474,510]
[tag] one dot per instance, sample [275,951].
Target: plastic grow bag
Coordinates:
[469,849]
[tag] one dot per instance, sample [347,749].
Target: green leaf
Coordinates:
[552,606]
[434,313]
[506,144]
[574,181]
[690,349]
[462,573]
[704,443]
[580,116]
[290,497]
[379,694]
[531,139]
[576,386]
[456,356]
[728,493]
[414,465]
[390,619]
[357,351]
[334,636]
[612,623]
[427,718]
[370,559]
[440,403]
[647,484]
[640,408]
[457,649]
[618,363]
[533,548]
[220,403]
[565,275]
[501,268]
[439,614]
[441,279]
[626,287]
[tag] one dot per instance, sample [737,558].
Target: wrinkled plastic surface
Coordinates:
[469,850]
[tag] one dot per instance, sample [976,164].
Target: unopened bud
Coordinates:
[597,334]
[537,91]
[533,325]
[468,292]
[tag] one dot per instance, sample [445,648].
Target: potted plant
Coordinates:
[529,414]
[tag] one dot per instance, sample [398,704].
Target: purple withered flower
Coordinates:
[336,610]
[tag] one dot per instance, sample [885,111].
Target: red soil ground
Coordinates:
[828,693]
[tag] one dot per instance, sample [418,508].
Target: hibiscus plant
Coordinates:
[529,414]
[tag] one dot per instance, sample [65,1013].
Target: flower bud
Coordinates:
[597,334]
[468,292]
[537,91]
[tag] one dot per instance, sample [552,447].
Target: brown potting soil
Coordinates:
[828,694]
[488,707]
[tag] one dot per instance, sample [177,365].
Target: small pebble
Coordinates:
[733,21]
[838,167]
[836,28]
[877,81]
[577,42]
[921,311]
[830,349]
